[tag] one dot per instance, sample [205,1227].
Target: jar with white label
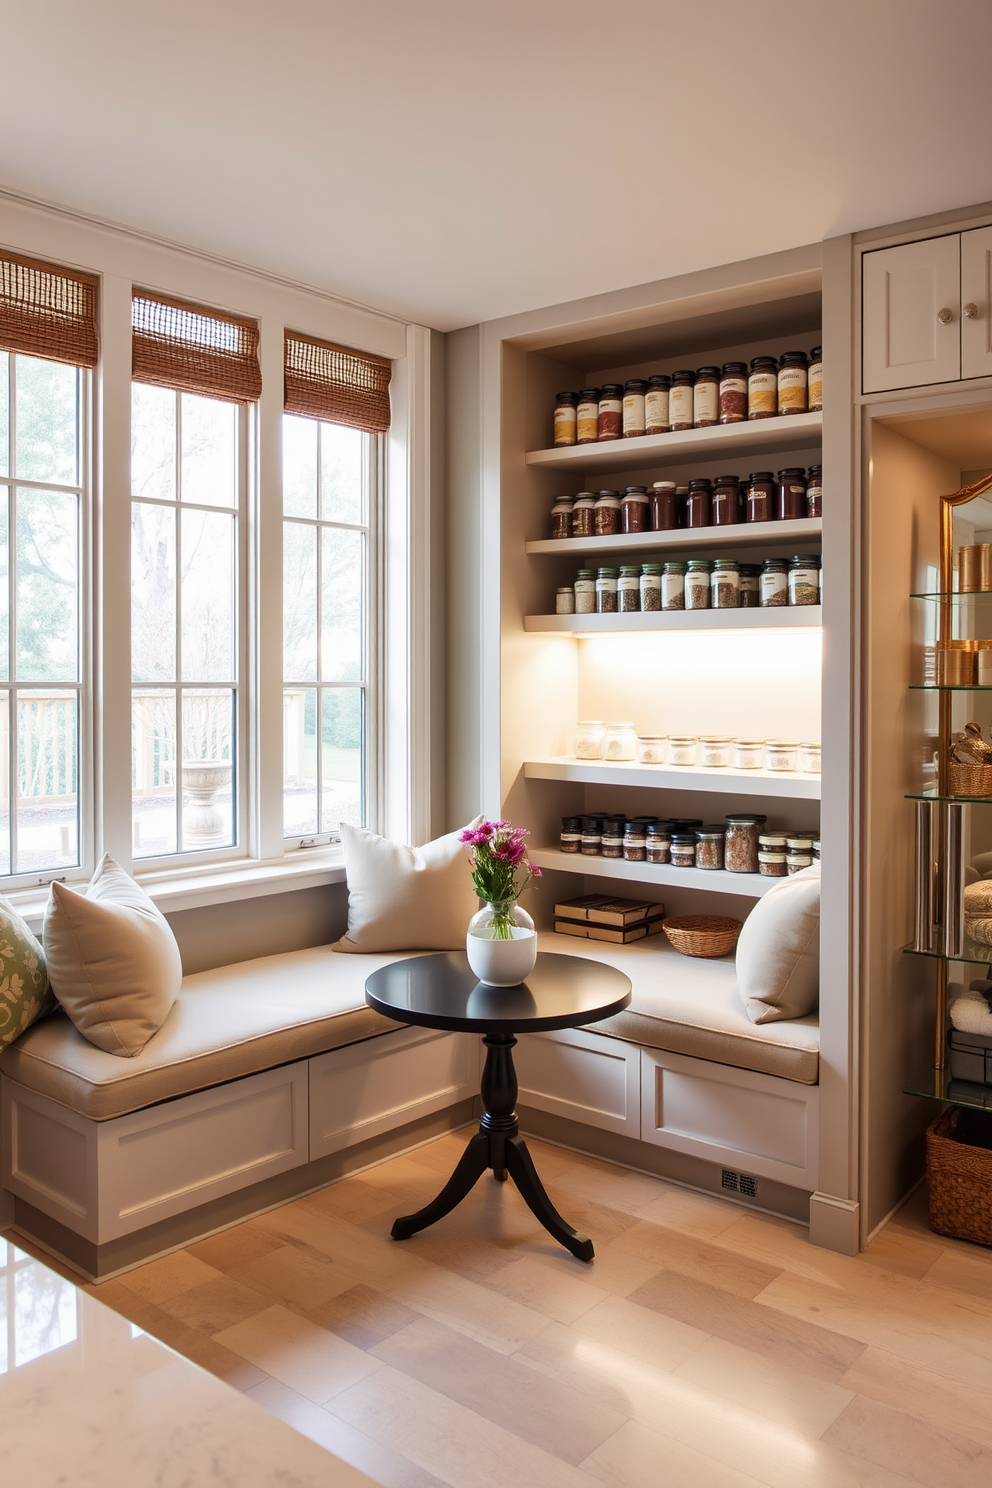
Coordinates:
[565,600]
[571,834]
[587,416]
[814,491]
[652,749]
[634,842]
[725,584]
[804,581]
[683,850]
[683,749]
[809,758]
[697,584]
[795,862]
[673,586]
[612,840]
[658,841]
[656,404]
[589,733]
[629,589]
[774,582]
[714,751]
[799,842]
[792,379]
[781,756]
[606,591]
[566,405]
[749,754]
[762,388]
[592,836]
[584,515]
[680,399]
[771,861]
[585,592]
[561,517]
[650,586]
[706,398]
[815,380]
[610,411]
[634,391]
[620,741]
[733,393]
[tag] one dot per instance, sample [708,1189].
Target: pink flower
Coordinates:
[536,873]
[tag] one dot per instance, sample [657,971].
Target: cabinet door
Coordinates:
[912,314]
[976,303]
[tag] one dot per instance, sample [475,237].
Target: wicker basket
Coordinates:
[702,935]
[959,1167]
[969,780]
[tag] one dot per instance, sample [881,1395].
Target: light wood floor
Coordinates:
[705,1346]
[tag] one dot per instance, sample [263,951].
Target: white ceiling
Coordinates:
[455,160]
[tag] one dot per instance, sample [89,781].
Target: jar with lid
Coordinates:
[709,847]
[561,517]
[749,754]
[658,841]
[814,491]
[656,404]
[774,582]
[741,844]
[762,388]
[706,398]
[795,862]
[584,515]
[761,496]
[565,600]
[725,583]
[683,749]
[587,416]
[780,755]
[652,749]
[606,591]
[791,494]
[686,824]
[714,751]
[607,513]
[680,399]
[726,501]
[697,584]
[682,851]
[804,580]
[566,408]
[673,586]
[774,841]
[733,393]
[610,410]
[571,834]
[792,390]
[585,591]
[589,733]
[629,588]
[612,838]
[634,390]
[799,842]
[771,861]
[815,380]
[697,507]
[809,758]
[635,513]
[748,597]
[650,585]
[666,507]
[634,842]
[620,741]
[592,836]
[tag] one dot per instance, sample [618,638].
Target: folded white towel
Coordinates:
[970,1013]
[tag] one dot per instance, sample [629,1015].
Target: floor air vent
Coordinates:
[741,1183]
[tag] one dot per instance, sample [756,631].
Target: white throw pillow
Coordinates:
[113,960]
[778,953]
[406,898]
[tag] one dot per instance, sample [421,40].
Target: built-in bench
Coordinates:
[267,1074]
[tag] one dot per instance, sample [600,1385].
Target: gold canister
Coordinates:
[970,568]
[984,566]
[955,667]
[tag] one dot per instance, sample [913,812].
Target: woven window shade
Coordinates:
[333,383]
[48,312]
[193,350]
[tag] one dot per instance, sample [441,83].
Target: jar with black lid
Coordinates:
[571,834]
[607,513]
[815,380]
[792,382]
[706,398]
[656,404]
[612,838]
[634,842]
[683,850]
[726,503]
[748,596]
[680,399]
[658,841]
[610,410]
[733,393]
[686,823]
[592,836]
[584,515]
[709,846]
[697,507]
[740,853]
[762,388]
[634,390]
[587,416]
[791,495]
[666,507]
[606,591]
[814,491]
[566,405]
[635,511]
[629,589]
[561,517]
[762,493]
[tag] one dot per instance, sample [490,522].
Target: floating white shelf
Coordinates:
[743,535]
[712,880]
[771,783]
[799,430]
[785,617]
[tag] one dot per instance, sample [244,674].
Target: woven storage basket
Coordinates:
[969,780]
[959,1167]
[702,935]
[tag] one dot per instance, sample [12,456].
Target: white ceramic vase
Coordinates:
[501,945]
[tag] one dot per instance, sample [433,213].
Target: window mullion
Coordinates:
[266,534]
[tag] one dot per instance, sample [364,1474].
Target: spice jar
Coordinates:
[697,507]
[781,756]
[635,513]
[799,842]
[740,853]
[814,491]
[606,591]
[611,842]
[571,834]
[565,601]
[666,507]
[673,586]
[585,591]
[697,584]
[762,388]
[680,399]
[589,734]
[652,749]
[773,841]
[714,751]
[634,842]
[587,416]
[584,515]
[607,513]
[709,847]
[774,582]
[706,398]
[592,836]
[629,589]
[749,754]
[733,393]
[804,580]
[620,742]
[561,517]
[634,390]
[650,585]
[610,410]
[656,404]
[725,582]
[683,749]
[682,851]
[658,841]
[761,496]
[795,862]
[814,380]
[725,509]
[792,382]
[809,758]
[791,494]
[748,597]
[771,861]
[566,407]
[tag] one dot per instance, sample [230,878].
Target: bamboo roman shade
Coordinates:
[331,382]
[47,311]
[178,345]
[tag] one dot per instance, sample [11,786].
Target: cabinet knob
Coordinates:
[971,311]
[945,316]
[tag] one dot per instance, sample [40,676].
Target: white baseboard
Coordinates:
[835,1224]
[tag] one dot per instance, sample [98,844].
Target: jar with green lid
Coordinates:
[762,388]
[656,404]
[791,390]
[634,390]
[673,586]
[706,398]
[804,580]
[748,596]
[629,588]
[725,583]
[587,416]
[680,399]
[606,591]
[585,591]
[566,405]
[697,584]
[774,582]
[650,586]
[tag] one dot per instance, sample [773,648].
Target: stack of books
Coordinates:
[602,917]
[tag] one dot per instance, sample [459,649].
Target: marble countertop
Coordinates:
[89,1401]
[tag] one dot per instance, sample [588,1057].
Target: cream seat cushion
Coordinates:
[406,898]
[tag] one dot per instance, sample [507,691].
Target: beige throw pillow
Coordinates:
[406,898]
[778,953]
[113,960]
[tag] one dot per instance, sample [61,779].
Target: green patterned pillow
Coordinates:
[25,995]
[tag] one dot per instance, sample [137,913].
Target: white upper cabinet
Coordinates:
[912,314]
[976,303]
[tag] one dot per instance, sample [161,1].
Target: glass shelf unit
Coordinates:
[931,795]
[957,596]
[974,954]
[937,1085]
[949,687]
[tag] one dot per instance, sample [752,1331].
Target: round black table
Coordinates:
[443,992]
